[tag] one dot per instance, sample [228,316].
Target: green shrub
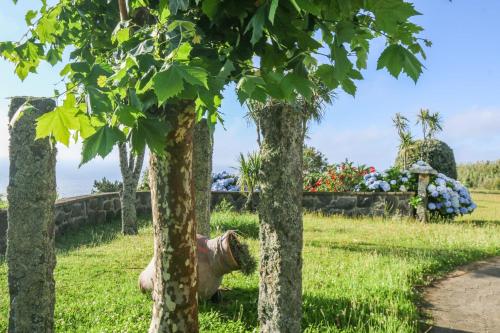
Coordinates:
[480,175]
[3,202]
[437,153]
[105,186]
[144,182]
[314,162]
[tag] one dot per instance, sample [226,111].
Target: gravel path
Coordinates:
[468,300]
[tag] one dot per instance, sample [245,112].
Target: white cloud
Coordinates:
[477,123]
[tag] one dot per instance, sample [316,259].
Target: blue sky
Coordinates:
[461,81]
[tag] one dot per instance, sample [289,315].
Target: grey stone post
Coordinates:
[30,235]
[280,215]
[424,172]
[202,174]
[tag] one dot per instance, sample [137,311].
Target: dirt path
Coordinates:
[468,300]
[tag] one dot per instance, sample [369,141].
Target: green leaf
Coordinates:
[397,59]
[80,67]
[344,32]
[349,87]
[150,131]
[101,143]
[121,36]
[196,76]
[128,115]
[167,84]
[209,7]
[309,7]
[182,53]
[272,10]
[257,24]
[295,82]
[163,11]
[30,15]
[59,122]
[99,101]
[53,57]
[342,63]
[326,74]
[86,129]
[389,14]
[176,5]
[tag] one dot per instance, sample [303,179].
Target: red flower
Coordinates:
[372,169]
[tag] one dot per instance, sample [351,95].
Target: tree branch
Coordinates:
[122,149]
[138,165]
[122,4]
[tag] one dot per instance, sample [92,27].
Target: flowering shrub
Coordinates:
[391,180]
[448,197]
[341,177]
[223,182]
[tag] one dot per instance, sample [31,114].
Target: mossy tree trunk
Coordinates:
[202,173]
[175,307]
[30,236]
[131,166]
[280,214]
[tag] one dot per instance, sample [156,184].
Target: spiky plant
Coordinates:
[435,123]
[248,181]
[423,117]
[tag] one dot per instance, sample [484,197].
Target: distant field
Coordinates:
[488,207]
[360,275]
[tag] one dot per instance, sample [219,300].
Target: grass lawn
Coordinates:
[360,275]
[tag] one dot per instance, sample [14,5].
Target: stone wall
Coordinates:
[344,203]
[72,213]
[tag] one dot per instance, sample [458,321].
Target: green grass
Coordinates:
[360,275]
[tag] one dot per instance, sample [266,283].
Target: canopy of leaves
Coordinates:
[122,76]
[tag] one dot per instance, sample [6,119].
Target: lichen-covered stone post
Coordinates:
[202,174]
[30,236]
[280,215]
[424,172]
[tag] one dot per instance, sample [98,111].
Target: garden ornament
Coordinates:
[216,257]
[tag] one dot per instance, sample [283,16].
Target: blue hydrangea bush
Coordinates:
[225,182]
[391,180]
[448,197]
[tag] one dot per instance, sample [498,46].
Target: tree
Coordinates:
[141,80]
[314,161]
[130,166]
[106,186]
[401,124]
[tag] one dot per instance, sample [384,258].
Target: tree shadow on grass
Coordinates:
[319,313]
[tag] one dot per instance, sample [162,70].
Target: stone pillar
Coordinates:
[280,215]
[202,175]
[30,235]
[423,172]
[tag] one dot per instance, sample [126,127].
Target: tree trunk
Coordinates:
[175,307]
[130,166]
[280,214]
[202,174]
[30,236]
